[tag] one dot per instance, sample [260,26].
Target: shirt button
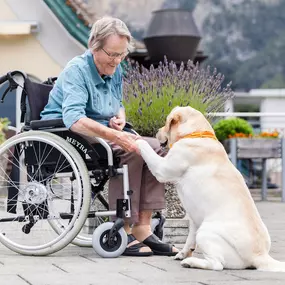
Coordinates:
[110,104]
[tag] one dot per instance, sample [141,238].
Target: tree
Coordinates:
[179,4]
[246,41]
[278,81]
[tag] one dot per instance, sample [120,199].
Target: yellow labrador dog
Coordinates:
[224,222]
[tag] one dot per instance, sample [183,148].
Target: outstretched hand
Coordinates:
[127,142]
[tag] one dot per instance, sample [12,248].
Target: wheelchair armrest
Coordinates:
[129,128]
[46,124]
[128,125]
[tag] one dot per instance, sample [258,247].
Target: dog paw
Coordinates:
[142,145]
[141,142]
[180,255]
[185,263]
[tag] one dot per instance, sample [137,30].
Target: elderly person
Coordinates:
[88,97]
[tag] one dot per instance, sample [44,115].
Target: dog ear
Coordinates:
[172,121]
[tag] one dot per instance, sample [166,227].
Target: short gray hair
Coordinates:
[104,28]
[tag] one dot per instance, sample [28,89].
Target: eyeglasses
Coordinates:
[115,55]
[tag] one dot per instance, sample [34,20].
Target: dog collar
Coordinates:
[205,134]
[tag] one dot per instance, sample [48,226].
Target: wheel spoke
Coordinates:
[36,188]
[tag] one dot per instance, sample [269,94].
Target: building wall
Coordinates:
[268,101]
[41,54]
[273,105]
[52,36]
[24,52]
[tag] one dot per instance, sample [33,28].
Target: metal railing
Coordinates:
[260,121]
[246,114]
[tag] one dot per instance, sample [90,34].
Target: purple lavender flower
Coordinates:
[154,91]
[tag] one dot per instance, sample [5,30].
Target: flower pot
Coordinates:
[255,147]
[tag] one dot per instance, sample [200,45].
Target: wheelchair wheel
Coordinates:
[84,238]
[30,209]
[101,245]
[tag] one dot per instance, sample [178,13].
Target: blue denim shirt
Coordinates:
[81,92]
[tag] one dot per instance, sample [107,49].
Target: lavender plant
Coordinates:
[150,94]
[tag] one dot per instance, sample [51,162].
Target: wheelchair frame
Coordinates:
[109,239]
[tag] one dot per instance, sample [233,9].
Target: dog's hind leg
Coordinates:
[190,244]
[207,263]
[218,251]
[210,245]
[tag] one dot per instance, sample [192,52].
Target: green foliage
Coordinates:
[179,4]
[150,95]
[148,118]
[246,41]
[278,81]
[4,122]
[229,127]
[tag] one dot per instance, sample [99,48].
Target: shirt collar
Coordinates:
[97,78]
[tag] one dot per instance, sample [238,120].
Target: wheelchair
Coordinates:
[51,184]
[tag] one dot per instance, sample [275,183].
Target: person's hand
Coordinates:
[117,123]
[127,142]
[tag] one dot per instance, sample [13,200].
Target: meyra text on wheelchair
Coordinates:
[51,184]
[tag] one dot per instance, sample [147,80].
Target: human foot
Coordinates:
[144,234]
[158,247]
[136,248]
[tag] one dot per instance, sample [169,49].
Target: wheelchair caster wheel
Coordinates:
[103,247]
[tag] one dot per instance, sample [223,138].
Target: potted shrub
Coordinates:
[248,144]
[150,95]
[228,128]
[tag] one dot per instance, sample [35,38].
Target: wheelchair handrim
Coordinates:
[20,139]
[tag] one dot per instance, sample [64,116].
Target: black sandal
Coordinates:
[158,247]
[134,250]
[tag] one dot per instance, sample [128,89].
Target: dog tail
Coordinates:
[267,263]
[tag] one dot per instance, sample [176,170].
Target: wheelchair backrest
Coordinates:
[37,94]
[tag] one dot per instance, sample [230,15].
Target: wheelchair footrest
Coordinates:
[67,216]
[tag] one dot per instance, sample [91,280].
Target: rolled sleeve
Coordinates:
[75,96]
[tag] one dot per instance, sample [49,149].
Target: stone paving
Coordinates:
[81,266]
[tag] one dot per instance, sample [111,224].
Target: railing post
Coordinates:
[233,151]
[264,181]
[283,169]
